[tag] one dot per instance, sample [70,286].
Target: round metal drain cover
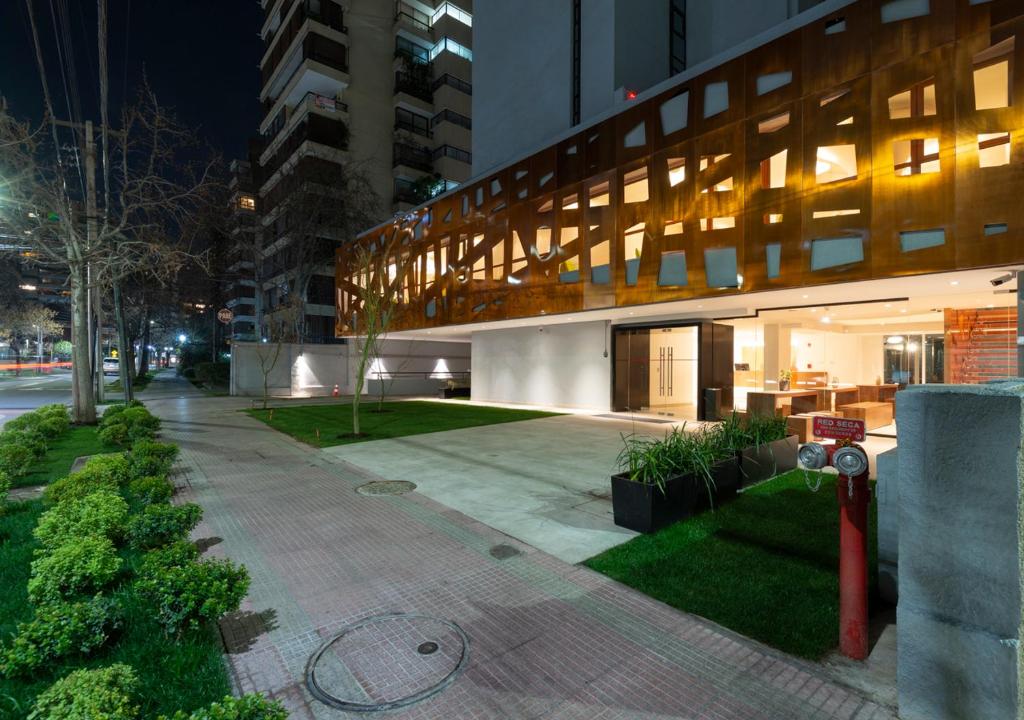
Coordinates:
[386,487]
[386,662]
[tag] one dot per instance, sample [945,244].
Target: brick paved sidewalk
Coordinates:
[547,639]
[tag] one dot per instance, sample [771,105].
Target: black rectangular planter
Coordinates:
[646,509]
[759,463]
[457,392]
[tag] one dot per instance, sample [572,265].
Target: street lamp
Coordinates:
[181,338]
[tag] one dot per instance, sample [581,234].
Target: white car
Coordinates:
[111,366]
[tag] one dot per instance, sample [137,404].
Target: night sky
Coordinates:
[201,57]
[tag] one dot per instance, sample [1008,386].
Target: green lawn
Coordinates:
[765,565]
[399,419]
[79,440]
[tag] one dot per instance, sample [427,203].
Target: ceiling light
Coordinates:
[888,304]
[954,282]
[826,319]
[804,296]
[903,310]
[894,340]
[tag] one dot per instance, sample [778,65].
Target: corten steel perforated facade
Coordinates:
[862,145]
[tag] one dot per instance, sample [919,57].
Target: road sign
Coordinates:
[838,428]
[225,315]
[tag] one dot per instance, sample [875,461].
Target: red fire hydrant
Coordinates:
[334,393]
[854,497]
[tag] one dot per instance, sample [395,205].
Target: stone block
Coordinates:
[959,561]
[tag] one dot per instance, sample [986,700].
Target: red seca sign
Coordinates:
[838,428]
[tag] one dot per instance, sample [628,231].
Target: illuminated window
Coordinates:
[518,254]
[772,218]
[676,171]
[600,258]
[543,242]
[599,196]
[915,157]
[546,206]
[706,161]
[673,228]
[634,186]
[774,123]
[498,260]
[570,202]
[993,149]
[452,11]
[918,101]
[832,96]
[247,202]
[632,248]
[835,162]
[992,76]
[773,171]
[717,223]
[446,43]
[818,214]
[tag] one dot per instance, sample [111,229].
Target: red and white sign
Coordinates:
[838,428]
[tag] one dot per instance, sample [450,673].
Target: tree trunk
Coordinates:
[144,350]
[125,364]
[17,355]
[98,363]
[83,400]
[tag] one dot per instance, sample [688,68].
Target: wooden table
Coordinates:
[766,402]
[874,414]
[832,396]
[885,392]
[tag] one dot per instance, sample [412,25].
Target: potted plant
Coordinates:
[663,481]
[784,377]
[770,449]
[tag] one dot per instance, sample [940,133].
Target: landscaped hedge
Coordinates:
[124,425]
[213,373]
[26,438]
[110,539]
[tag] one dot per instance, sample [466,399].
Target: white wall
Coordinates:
[714,26]
[563,366]
[848,358]
[409,367]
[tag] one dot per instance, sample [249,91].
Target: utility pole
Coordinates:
[95,303]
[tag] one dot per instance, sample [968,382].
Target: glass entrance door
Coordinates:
[656,371]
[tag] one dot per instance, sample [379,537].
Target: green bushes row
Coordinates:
[25,438]
[111,693]
[213,373]
[97,522]
[124,425]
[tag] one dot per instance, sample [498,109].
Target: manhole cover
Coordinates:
[386,487]
[387,662]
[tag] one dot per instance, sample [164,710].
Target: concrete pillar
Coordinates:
[960,536]
[888,495]
[777,353]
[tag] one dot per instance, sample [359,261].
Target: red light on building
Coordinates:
[631,94]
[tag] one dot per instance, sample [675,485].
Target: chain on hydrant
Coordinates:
[854,496]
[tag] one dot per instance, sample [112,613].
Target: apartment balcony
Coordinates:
[313,129]
[411,156]
[297,23]
[317,64]
[410,20]
[288,118]
[415,86]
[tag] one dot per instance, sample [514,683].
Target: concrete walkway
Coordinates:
[543,481]
[547,639]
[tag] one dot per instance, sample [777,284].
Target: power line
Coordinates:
[61,50]
[42,78]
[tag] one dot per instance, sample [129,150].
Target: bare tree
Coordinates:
[24,322]
[379,266]
[154,193]
[280,330]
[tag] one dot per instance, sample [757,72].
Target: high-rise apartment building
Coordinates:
[383,89]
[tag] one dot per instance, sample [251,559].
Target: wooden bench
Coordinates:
[874,414]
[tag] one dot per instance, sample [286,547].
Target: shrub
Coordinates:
[5,488]
[114,434]
[54,410]
[189,594]
[54,427]
[150,490]
[114,410]
[138,415]
[76,486]
[79,567]
[59,630]
[162,524]
[176,554]
[15,460]
[101,694]
[29,438]
[28,421]
[113,466]
[248,707]
[103,513]
[213,373]
[148,457]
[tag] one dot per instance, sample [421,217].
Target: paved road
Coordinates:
[21,394]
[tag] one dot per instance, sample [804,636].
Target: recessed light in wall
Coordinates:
[991,305]
[903,310]
[826,319]
[699,307]
[805,296]
[888,304]
[954,282]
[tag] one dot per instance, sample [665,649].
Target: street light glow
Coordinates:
[181,338]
